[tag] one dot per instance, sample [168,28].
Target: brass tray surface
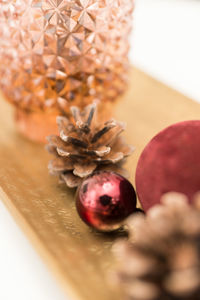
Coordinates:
[78,256]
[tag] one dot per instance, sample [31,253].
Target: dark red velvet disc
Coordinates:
[170,162]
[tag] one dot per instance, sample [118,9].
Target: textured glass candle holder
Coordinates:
[58,53]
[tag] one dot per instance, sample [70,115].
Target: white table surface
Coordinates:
[165,44]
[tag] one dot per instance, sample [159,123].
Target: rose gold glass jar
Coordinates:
[57,53]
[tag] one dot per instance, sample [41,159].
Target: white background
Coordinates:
[166,44]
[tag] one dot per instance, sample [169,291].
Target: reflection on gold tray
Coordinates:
[78,256]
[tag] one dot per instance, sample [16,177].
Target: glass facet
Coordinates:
[57,53]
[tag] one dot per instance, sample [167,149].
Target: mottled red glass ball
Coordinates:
[170,162]
[104,200]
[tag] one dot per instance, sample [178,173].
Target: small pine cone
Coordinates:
[161,258]
[84,146]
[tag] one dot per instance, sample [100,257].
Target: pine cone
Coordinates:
[161,258]
[85,146]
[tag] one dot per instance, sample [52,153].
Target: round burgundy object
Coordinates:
[170,162]
[104,200]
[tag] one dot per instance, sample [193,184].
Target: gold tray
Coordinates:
[77,255]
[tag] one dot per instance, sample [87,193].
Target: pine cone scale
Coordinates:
[71,180]
[111,158]
[111,136]
[74,141]
[102,132]
[52,150]
[60,165]
[100,152]
[56,141]
[73,155]
[84,170]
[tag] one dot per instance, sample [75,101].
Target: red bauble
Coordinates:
[104,200]
[170,162]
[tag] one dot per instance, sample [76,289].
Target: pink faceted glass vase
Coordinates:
[58,53]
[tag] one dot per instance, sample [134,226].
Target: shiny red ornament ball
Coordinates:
[104,200]
[170,162]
